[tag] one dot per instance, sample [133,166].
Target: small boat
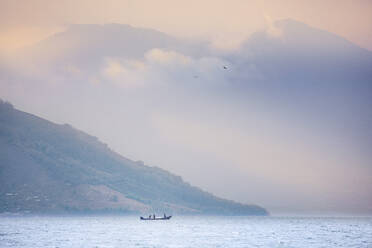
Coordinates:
[159,218]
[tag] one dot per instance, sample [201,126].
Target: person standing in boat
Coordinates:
[165,216]
[154,216]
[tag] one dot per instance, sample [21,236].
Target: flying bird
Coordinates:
[225,67]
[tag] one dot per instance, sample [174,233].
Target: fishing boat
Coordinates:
[158,218]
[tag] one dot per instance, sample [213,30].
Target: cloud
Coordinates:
[159,56]
[271,29]
[165,67]
[124,73]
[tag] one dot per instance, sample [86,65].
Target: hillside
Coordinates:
[50,168]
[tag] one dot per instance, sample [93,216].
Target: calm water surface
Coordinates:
[203,232]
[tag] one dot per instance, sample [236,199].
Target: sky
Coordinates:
[286,125]
[25,22]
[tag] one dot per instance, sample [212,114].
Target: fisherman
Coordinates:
[150,216]
[165,216]
[154,216]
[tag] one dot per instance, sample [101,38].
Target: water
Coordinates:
[204,232]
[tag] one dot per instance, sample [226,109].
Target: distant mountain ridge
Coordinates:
[297,53]
[50,168]
[88,45]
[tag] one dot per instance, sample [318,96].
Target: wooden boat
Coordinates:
[159,218]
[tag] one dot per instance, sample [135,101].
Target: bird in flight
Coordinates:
[225,67]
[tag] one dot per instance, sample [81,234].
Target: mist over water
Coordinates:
[281,121]
[197,231]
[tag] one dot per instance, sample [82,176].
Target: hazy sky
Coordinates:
[227,22]
[265,131]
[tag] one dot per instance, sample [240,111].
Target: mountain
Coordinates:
[87,46]
[293,54]
[50,168]
[309,70]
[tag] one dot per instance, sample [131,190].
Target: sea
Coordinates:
[185,231]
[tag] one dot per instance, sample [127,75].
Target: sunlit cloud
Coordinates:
[272,29]
[165,67]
